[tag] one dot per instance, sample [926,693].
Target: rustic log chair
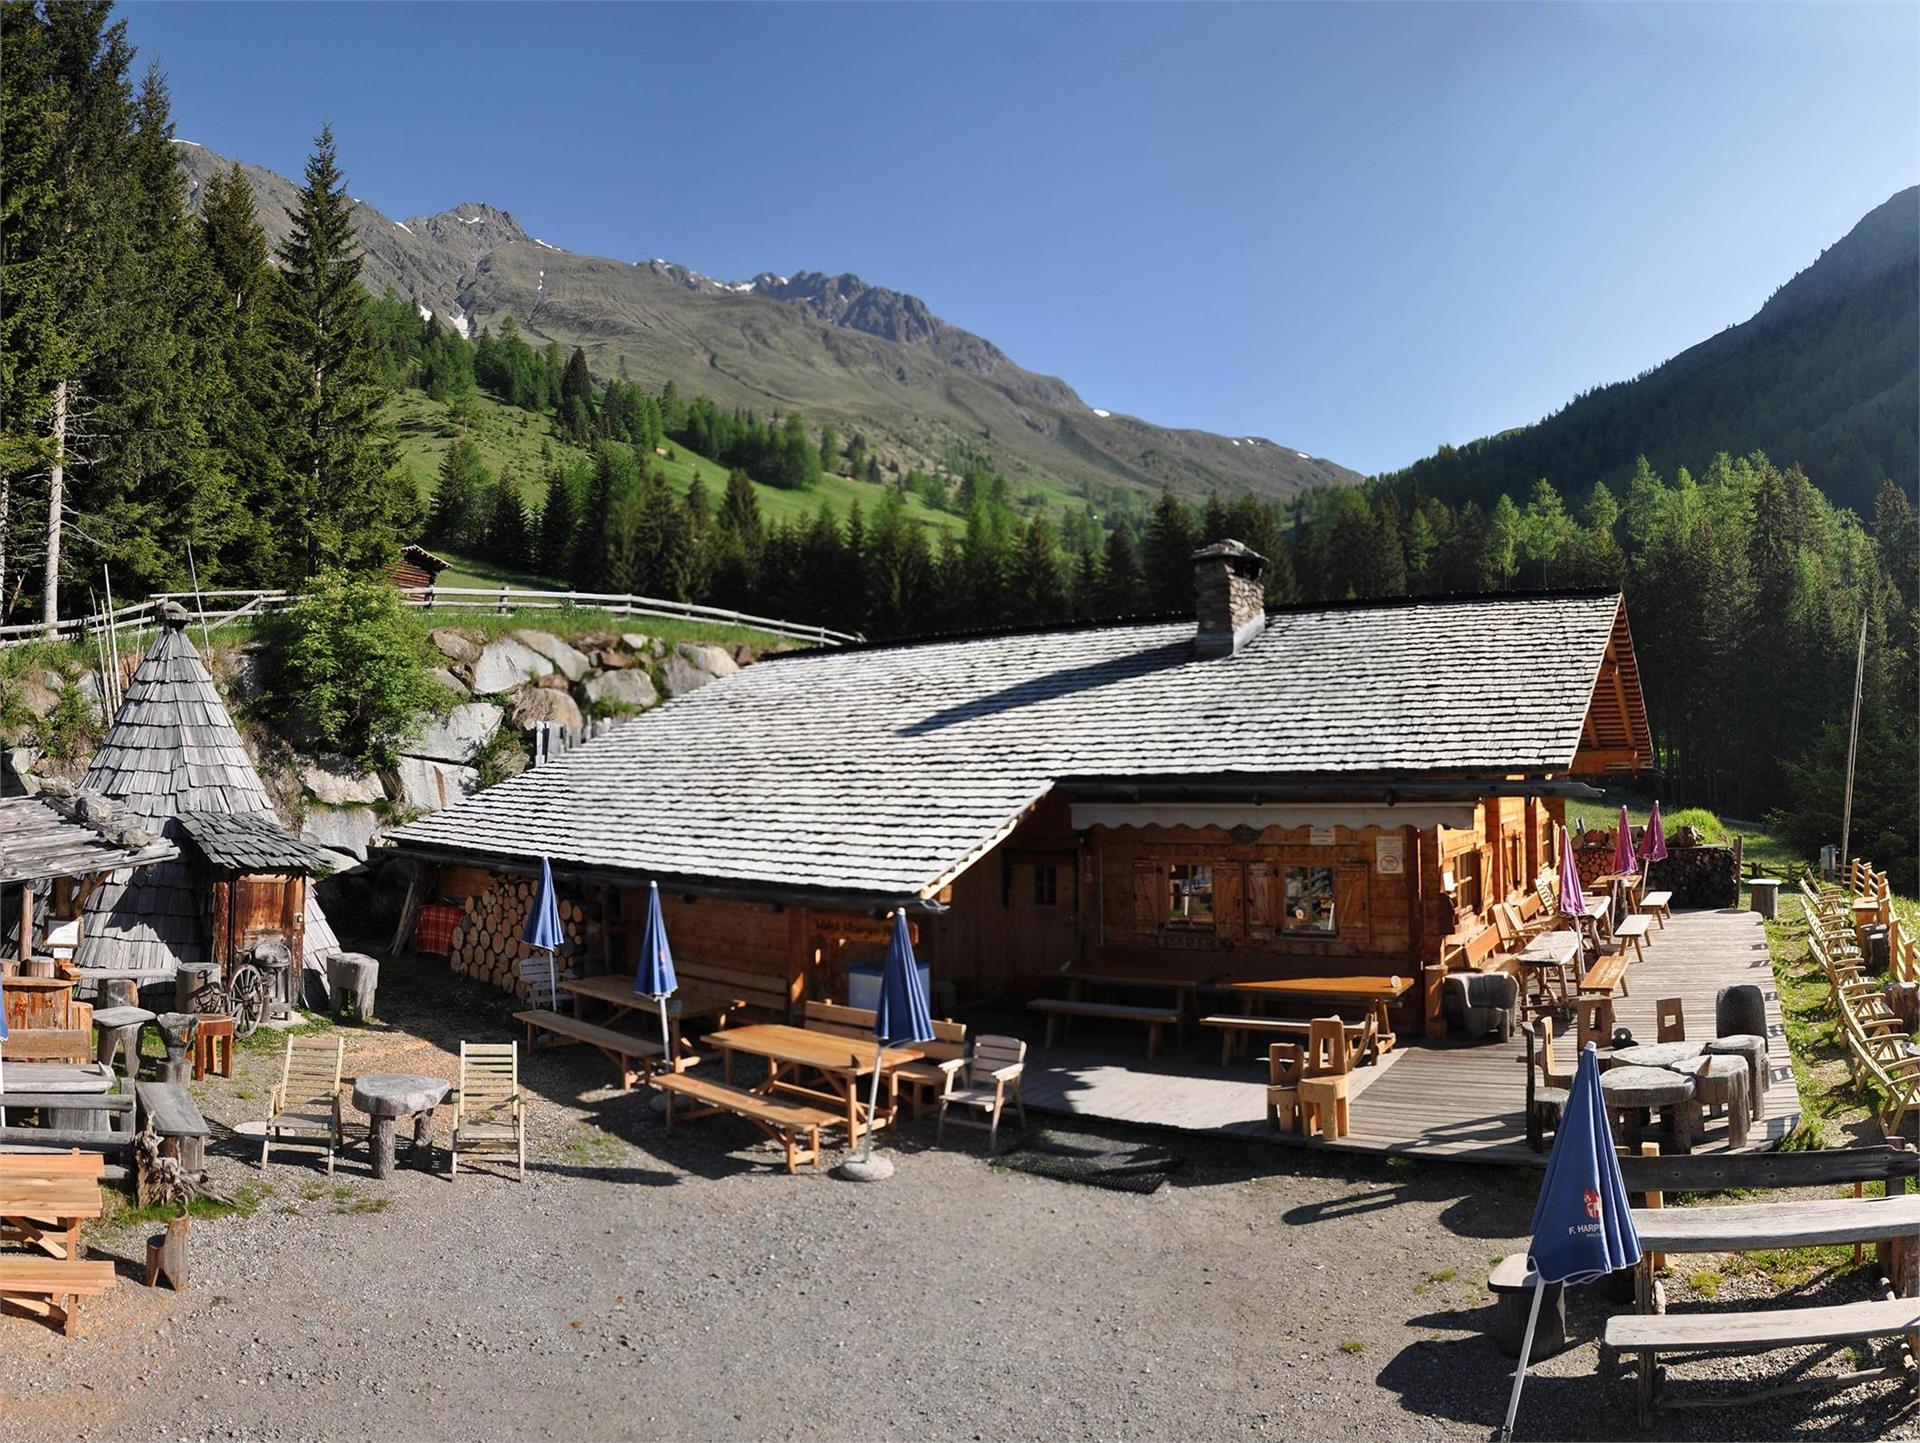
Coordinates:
[1326,1079]
[489,1114]
[1670,1020]
[1547,1094]
[1285,1062]
[985,1080]
[305,1106]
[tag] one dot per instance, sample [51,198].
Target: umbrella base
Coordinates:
[877,1168]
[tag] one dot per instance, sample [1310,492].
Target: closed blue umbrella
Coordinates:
[903,1016]
[543,929]
[653,977]
[1582,1224]
[3,1038]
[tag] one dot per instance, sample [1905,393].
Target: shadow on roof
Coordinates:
[1068,681]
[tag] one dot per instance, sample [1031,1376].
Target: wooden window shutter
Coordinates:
[1229,900]
[1350,903]
[1263,906]
[1149,896]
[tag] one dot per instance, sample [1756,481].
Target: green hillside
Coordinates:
[512,439]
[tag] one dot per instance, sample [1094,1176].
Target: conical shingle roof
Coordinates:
[172,750]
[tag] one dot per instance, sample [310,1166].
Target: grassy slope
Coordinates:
[510,439]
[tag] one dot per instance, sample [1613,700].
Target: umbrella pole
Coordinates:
[1526,1351]
[873,1103]
[666,1044]
[553,983]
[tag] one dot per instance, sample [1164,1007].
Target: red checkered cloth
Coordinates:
[434,931]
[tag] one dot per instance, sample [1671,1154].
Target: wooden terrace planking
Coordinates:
[1458,1102]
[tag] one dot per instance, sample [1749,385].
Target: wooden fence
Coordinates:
[212,610]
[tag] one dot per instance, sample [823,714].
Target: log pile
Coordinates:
[1697,876]
[486,940]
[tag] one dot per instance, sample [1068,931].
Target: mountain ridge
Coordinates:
[869,358]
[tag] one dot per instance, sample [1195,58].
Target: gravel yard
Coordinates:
[646,1285]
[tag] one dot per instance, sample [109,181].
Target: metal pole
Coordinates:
[873,1102]
[1853,741]
[666,1040]
[1526,1351]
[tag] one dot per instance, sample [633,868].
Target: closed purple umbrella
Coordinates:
[1573,901]
[1623,846]
[1653,846]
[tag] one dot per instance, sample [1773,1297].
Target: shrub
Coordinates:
[1700,819]
[351,670]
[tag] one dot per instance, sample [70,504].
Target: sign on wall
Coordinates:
[1320,836]
[1390,855]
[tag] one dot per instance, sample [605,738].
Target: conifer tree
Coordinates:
[343,503]
[507,538]
[1123,590]
[1168,562]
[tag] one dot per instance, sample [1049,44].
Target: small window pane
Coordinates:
[1310,899]
[1190,893]
[1046,885]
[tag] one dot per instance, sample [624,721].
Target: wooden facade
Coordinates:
[249,907]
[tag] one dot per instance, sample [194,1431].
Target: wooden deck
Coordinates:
[1459,1102]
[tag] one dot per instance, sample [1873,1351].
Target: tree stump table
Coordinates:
[1752,1048]
[1654,1054]
[1720,1080]
[177,1031]
[1633,1093]
[386,1097]
[352,980]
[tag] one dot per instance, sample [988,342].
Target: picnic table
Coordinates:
[1348,991]
[43,1205]
[615,991]
[790,1051]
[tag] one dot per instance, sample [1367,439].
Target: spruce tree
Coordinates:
[559,519]
[343,504]
[507,539]
[1170,543]
[1123,590]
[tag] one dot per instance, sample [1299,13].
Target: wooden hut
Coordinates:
[417,567]
[173,753]
[1239,794]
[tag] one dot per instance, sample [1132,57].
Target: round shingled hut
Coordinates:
[171,753]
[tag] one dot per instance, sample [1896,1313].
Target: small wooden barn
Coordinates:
[416,567]
[255,879]
[1238,794]
[173,754]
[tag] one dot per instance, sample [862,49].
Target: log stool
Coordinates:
[1720,1082]
[1283,1086]
[1763,896]
[213,1048]
[1512,1284]
[1323,1105]
[1753,1049]
[176,1031]
[116,1031]
[352,979]
[167,1255]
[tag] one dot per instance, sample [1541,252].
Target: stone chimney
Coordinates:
[1230,604]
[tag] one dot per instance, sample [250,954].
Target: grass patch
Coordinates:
[347,1202]
[1830,1107]
[1706,1282]
[246,1202]
[1352,1346]
[270,1041]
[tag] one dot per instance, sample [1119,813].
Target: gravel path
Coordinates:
[646,1285]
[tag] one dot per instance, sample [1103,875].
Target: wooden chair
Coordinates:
[1546,1095]
[1285,1062]
[489,1115]
[985,1080]
[305,1106]
[1670,1020]
[1594,1018]
[1325,1081]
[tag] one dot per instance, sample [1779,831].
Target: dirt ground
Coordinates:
[645,1285]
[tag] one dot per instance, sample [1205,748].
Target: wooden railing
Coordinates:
[215,609]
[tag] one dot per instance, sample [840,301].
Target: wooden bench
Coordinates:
[1659,906]
[620,1048]
[783,1119]
[177,1120]
[53,1286]
[762,991]
[1364,1037]
[1155,1018]
[1605,977]
[1633,930]
[1649,1334]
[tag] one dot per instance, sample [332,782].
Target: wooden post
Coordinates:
[26,920]
[297,935]
[222,908]
[1655,1261]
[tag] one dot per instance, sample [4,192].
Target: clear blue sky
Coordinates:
[1358,230]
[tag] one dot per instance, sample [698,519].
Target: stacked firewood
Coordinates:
[486,940]
[1697,876]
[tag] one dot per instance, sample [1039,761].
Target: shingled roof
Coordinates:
[250,842]
[883,772]
[172,751]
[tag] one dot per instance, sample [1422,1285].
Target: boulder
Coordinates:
[456,736]
[592,641]
[572,663]
[34,698]
[17,762]
[504,664]
[632,688]
[346,830]
[245,674]
[556,680]
[715,660]
[611,660]
[454,645]
[636,640]
[429,785]
[690,666]
[532,705]
[451,682]
[336,782]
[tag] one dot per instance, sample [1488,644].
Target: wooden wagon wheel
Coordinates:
[248,999]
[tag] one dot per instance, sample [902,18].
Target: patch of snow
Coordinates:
[470,220]
[194,143]
[459,323]
[1236,443]
[426,313]
[1100,413]
[537,241]
[1303,455]
[404,226]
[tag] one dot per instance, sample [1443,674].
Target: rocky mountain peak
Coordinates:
[472,226]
